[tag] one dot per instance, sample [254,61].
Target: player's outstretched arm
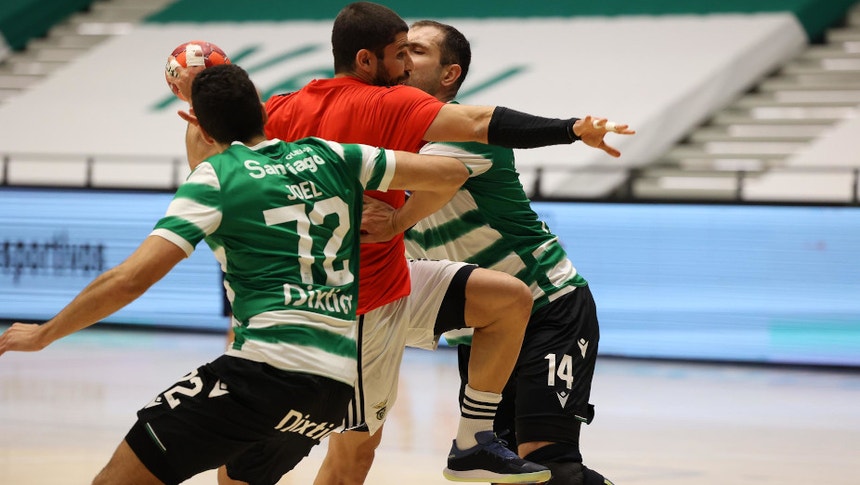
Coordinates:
[433,181]
[512,129]
[460,122]
[108,293]
[427,173]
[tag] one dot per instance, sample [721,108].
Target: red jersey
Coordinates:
[348,110]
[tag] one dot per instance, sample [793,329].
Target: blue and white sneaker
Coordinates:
[491,461]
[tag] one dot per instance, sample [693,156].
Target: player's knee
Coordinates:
[525,299]
[518,298]
[350,455]
[498,299]
[361,460]
[345,469]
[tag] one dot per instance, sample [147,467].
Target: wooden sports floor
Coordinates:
[63,410]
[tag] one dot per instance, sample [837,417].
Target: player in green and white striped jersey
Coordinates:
[489,222]
[290,275]
[283,220]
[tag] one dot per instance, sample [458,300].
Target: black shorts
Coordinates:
[224,412]
[547,396]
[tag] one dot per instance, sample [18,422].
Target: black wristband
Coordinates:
[512,129]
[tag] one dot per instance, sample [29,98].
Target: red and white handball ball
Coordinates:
[190,54]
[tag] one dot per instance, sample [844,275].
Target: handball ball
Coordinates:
[191,54]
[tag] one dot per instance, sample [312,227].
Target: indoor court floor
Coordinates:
[63,411]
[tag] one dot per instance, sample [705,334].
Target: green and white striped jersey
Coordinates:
[489,222]
[282,219]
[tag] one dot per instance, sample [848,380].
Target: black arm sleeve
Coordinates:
[512,129]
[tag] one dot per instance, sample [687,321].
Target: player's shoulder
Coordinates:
[300,95]
[370,92]
[402,90]
[314,143]
[319,152]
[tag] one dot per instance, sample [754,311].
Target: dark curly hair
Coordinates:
[363,25]
[227,104]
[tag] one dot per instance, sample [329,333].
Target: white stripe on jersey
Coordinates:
[391,162]
[368,155]
[346,328]
[221,256]
[293,357]
[205,174]
[231,295]
[175,239]
[560,293]
[538,252]
[479,238]
[336,147]
[560,274]
[206,218]
[476,163]
[467,244]
[510,264]
[299,358]
[258,146]
[474,241]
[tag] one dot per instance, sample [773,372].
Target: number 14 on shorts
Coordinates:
[562,369]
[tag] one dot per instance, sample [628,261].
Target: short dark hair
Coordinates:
[226,103]
[363,25]
[454,49]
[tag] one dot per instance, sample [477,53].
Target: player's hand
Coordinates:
[180,83]
[377,221]
[22,337]
[592,130]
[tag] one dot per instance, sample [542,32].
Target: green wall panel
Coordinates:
[22,20]
[814,15]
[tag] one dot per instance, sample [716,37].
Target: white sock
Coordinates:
[476,414]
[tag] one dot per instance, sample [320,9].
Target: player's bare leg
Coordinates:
[498,307]
[224,479]
[125,468]
[349,457]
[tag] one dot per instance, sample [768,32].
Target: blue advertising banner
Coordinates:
[54,242]
[706,282]
[750,283]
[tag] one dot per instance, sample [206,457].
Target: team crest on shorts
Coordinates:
[381,408]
